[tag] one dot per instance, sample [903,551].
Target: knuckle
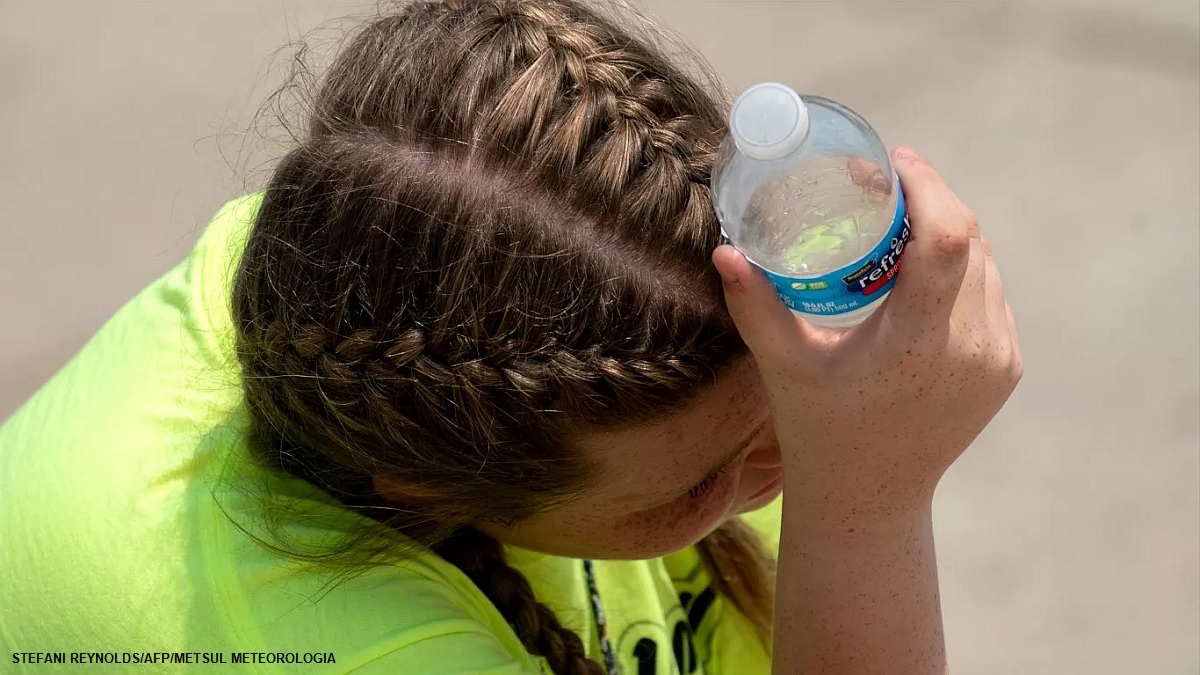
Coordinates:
[1004,359]
[970,219]
[952,243]
[1017,365]
[989,351]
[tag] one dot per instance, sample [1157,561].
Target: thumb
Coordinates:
[772,332]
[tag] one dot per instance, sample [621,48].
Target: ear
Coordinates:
[420,498]
[402,490]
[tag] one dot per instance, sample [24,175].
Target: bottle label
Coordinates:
[853,286]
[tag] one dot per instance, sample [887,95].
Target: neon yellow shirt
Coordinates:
[113,548]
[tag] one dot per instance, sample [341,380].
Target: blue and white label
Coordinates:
[853,286]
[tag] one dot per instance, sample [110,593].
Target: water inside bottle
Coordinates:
[823,214]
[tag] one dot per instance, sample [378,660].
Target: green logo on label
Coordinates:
[809,285]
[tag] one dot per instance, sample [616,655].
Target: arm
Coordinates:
[858,599]
[868,420]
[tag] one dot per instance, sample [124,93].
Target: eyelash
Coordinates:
[703,486]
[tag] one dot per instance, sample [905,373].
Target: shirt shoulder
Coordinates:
[417,615]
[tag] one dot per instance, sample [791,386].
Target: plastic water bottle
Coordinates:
[804,188]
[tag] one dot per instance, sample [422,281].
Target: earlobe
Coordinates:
[419,498]
[401,490]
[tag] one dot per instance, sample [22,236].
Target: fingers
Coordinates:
[1018,360]
[876,185]
[975,291]
[771,331]
[997,306]
[937,256]
[999,311]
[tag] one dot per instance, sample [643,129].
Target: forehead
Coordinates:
[641,463]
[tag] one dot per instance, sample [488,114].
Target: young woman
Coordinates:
[471,387]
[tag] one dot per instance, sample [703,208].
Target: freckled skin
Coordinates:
[871,419]
[642,509]
[683,522]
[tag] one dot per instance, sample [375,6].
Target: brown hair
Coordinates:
[494,235]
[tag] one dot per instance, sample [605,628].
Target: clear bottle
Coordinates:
[804,188]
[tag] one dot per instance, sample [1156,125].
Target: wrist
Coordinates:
[858,508]
[858,593]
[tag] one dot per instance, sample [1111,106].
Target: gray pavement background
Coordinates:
[1069,535]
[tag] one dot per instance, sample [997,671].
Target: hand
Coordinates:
[868,419]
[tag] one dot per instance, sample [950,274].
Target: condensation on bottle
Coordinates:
[804,188]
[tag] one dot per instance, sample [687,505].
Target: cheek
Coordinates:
[676,526]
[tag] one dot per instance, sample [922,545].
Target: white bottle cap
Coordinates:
[769,121]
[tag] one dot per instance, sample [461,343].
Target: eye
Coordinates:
[703,486]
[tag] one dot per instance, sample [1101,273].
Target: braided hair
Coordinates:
[494,232]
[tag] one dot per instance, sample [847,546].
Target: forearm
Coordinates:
[855,599]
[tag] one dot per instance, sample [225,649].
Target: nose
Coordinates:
[767,455]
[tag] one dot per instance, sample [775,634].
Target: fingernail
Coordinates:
[906,153]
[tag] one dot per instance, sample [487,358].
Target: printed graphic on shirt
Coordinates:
[652,648]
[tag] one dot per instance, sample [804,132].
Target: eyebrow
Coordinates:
[741,446]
